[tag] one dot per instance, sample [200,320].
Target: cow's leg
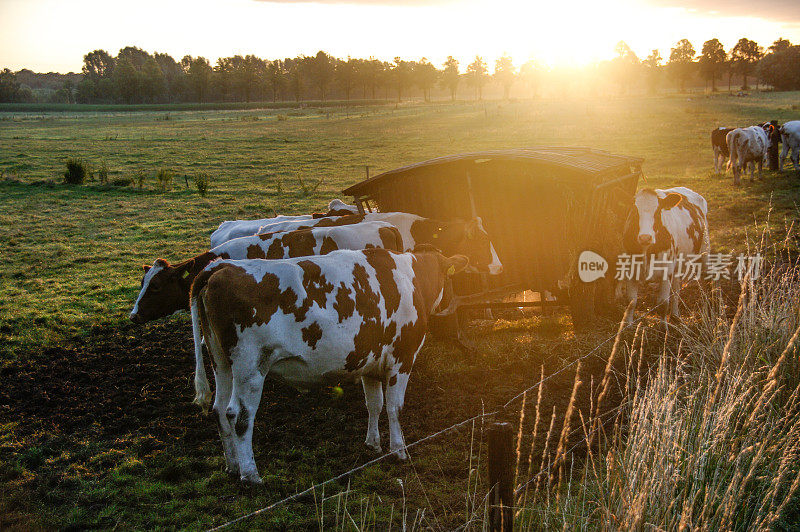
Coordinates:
[248,383]
[760,168]
[395,396]
[784,153]
[664,287]
[224,385]
[737,170]
[716,160]
[796,158]
[663,299]
[373,396]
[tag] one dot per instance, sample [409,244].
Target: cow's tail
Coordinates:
[202,389]
[734,156]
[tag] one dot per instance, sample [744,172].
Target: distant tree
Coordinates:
[86,91]
[781,66]
[681,61]
[126,80]
[401,76]
[153,84]
[320,69]
[505,74]
[477,75]
[223,77]
[624,67]
[294,76]
[346,74]
[276,78]
[98,64]
[744,58]
[530,76]
[9,86]
[450,76]
[174,77]
[372,75]
[425,76]
[135,55]
[652,66]
[198,76]
[96,85]
[712,61]
[65,94]
[248,71]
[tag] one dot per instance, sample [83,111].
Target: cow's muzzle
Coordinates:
[645,240]
[135,318]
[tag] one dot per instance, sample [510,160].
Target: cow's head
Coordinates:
[773,134]
[644,228]
[432,270]
[470,239]
[339,208]
[165,290]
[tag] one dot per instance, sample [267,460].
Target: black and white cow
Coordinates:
[790,136]
[720,147]
[666,226]
[748,146]
[348,314]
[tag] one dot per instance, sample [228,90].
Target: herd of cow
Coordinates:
[339,295]
[311,299]
[749,146]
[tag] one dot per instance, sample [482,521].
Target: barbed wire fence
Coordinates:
[300,494]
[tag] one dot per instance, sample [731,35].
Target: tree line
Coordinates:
[137,76]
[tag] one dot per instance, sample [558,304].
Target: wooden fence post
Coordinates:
[501,477]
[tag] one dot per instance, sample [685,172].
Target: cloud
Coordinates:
[787,11]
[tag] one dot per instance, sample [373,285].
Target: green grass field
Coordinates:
[72,260]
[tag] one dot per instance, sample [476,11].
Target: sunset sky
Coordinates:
[53,35]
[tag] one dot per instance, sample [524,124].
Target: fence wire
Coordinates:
[446,430]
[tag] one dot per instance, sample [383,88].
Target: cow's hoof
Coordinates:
[251,480]
[400,454]
[232,472]
[374,447]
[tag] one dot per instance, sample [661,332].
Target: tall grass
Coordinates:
[708,438]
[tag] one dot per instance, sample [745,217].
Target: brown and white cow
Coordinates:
[720,146]
[314,320]
[748,146]
[665,226]
[165,287]
[454,237]
[235,228]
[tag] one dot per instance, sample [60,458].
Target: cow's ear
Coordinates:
[455,264]
[670,200]
[163,263]
[146,267]
[186,268]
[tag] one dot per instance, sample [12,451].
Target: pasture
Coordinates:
[96,422]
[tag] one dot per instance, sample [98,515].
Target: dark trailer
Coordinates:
[541,207]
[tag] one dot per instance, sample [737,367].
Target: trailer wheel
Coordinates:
[581,304]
